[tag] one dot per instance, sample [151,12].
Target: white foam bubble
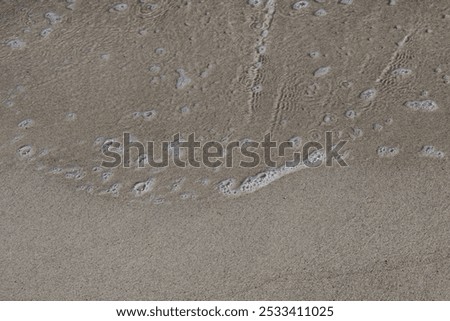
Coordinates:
[56,170]
[368,94]
[322,71]
[25,151]
[300,5]
[159,200]
[177,184]
[119,7]
[204,181]
[377,127]
[8,103]
[262,49]
[182,80]
[350,114]
[160,51]
[185,109]
[422,105]
[71,116]
[262,179]
[113,190]
[346,2]
[255,3]
[320,13]
[16,43]
[43,152]
[314,54]
[52,17]
[328,118]
[226,187]
[257,88]
[76,174]
[186,196]
[88,188]
[142,188]
[155,68]
[357,133]
[106,176]
[46,32]
[26,123]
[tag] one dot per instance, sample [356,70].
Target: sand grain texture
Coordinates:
[78,73]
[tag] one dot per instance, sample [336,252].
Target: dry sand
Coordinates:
[75,73]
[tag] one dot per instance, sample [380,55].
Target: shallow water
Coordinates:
[78,73]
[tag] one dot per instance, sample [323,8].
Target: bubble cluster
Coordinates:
[257,89]
[88,188]
[401,72]
[431,151]
[76,174]
[113,190]
[106,176]
[146,115]
[264,178]
[387,151]
[422,105]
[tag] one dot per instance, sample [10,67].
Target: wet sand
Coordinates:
[375,73]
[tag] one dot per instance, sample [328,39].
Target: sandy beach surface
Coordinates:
[76,75]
